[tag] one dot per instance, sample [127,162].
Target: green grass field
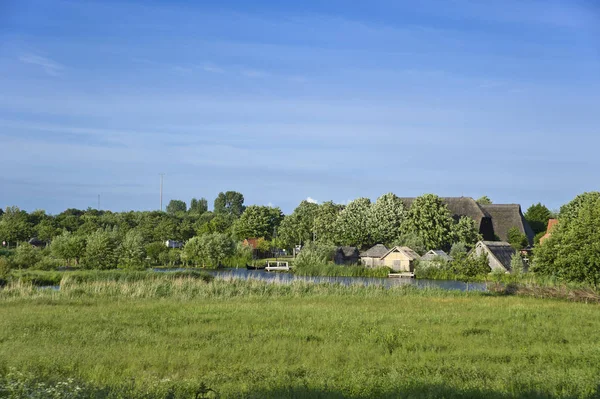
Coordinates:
[171,337]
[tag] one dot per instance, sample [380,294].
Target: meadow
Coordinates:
[189,337]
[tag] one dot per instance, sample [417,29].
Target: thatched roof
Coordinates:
[376,251]
[505,217]
[436,254]
[409,253]
[500,250]
[348,252]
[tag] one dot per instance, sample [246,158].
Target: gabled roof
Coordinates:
[500,250]
[505,217]
[376,251]
[433,254]
[347,251]
[409,253]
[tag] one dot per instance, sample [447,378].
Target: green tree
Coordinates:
[154,250]
[230,203]
[176,206]
[353,222]
[517,239]
[46,230]
[466,231]
[572,252]
[413,241]
[198,206]
[68,247]
[132,251]
[430,219]
[15,226]
[485,200]
[537,216]
[458,248]
[208,250]
[298,227]
[468,266]
[101,250]
[26,256]
[516,264]
[325,220]
[385,219]
[258,221]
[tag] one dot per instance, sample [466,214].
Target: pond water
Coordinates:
[244,273]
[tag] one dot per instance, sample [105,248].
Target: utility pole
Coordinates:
[161,189]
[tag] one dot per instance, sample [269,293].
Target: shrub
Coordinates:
[48,263]
[314,254]
[5,266]
[26,256]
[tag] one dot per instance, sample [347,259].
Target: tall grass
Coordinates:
[331,270]
[169,338]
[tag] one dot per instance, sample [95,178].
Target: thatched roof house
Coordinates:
[346,256]
[372,256]
[436,255]
[499,254]
[493,221]
[506,216]
[400,259]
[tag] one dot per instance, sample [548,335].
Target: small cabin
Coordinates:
[372,256]
[400,259]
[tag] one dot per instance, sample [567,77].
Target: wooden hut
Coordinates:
[400,259]
[346,256]
[372,256]
[499,254]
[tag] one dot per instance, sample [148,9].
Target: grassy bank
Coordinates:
[178,337]
[331,270]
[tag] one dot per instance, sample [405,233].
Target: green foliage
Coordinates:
[485,200]
[5,267]
[517,239]
[537,216]
[458,248]
[466,231]
[325,220]
[516,264]
[153,251]
[314,253]
[15,226]
[198,206]
[413,241]
[572,253]
[101,250]
[385,219]
[298,227]
[430,219]
[467,266]
[176,206]
[26,256]
[132,252]
[229,203]
[258,221]
[209,250]
[352,226]
[68,247]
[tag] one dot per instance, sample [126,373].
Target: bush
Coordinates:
[48,263]
[26,256]
[314,254]
[5,266]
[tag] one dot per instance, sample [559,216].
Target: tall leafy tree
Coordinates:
[385,219]
[230,202]
[208,250]
[176,206]
[572,252]
[132,251]
[537,216]
[352,225]
[15,226]
[326,217]
[299,227]
[466,232]
[68,247]
[101,250]
[258,221]
[430,219]
[517,239]
[198,206]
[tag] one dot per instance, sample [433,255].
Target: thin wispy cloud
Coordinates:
[52,68]
[254,73]
[212,68]
[311,200]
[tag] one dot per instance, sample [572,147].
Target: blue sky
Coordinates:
[282,101]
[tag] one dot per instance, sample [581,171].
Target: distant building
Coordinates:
[400,259]
[346,256]
[35,242]
[499,254]
[552,223]
[372,256]
[435,255]
[173,244]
